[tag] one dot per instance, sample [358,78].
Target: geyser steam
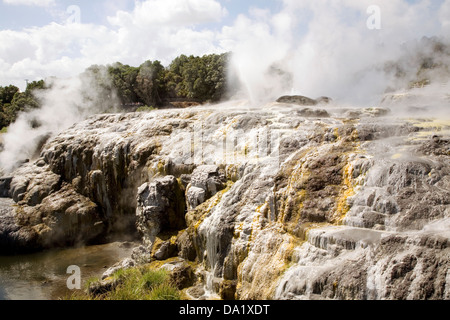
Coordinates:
[329,48]
[66,102]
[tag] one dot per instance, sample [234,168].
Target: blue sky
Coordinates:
[19,16]
[40,39]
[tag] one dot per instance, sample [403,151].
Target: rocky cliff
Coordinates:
[284,201]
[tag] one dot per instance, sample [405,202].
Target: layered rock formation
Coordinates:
[279,202]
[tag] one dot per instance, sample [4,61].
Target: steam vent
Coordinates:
[295,199]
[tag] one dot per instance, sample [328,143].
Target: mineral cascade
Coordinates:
[285,201]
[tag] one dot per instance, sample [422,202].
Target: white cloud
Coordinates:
[325,45]
[163,29]
[53,50]
[171,13]
[37,3]
[153,30]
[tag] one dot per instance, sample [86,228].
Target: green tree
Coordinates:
[200,78]
[14,102]
[32,87]
[216,76]
[150,83]
[7,94]
[123,78]
[174,77]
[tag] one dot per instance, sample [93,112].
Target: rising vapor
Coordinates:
[68,101]
[340,49]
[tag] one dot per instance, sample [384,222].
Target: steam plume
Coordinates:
[66,102]
[325,48]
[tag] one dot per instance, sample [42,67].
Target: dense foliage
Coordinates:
[199,79]
[12,101]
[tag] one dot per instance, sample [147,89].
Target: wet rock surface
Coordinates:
[160,207]
[205,182]
[282,202]
[5,185]
[13,237]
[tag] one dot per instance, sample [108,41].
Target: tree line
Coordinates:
[13,101]
[200,79]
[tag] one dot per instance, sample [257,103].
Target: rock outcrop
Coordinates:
[281,202]
[303,101]
[160,208]
[5,185]
[204,183]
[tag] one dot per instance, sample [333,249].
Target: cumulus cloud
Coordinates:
[53,50]
[167,28]
[155,29]
[174,13]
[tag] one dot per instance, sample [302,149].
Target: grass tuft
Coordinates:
[136,284]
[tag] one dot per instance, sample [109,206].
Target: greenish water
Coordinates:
[43,276]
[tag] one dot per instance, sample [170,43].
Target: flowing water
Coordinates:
[43,276]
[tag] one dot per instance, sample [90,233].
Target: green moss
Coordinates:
[90,281]
[145,109]
[157,170]
[199,214]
